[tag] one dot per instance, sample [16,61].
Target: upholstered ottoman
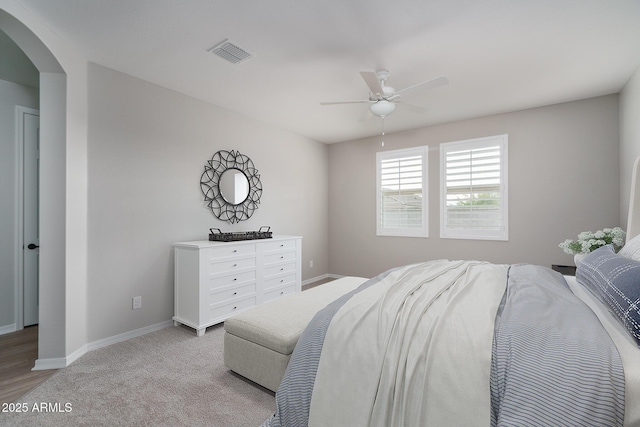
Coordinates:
[258,343]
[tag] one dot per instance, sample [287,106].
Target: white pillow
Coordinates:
[631,249]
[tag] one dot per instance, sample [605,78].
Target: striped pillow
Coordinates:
[615,280]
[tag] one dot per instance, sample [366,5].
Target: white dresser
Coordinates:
[215,280]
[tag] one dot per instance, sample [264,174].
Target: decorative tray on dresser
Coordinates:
[215,280]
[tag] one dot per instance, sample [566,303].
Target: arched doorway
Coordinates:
[52,340]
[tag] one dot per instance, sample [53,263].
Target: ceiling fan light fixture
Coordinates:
[382,108]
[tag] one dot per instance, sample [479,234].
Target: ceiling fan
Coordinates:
[383,99]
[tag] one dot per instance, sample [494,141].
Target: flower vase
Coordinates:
[578,258]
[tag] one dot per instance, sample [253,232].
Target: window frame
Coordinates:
[422,231]
[469,145]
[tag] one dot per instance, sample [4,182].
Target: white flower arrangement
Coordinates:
[588,241]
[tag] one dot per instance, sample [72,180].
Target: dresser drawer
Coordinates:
[279,257]
[229,294]
[279,245]
[279,281]
[280,269]
[231,250]
[235,264]
[226,310]
[232,279]
[277,293]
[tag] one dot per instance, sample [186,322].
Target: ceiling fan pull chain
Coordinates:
[382,131]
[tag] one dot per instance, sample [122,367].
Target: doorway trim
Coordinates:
[19,232]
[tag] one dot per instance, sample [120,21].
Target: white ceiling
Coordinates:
[499,55]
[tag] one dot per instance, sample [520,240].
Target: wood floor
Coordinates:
[18,353]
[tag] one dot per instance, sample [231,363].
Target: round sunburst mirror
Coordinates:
[231,186]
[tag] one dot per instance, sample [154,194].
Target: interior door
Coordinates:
[31,252]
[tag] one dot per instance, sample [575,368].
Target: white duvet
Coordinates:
[390,381]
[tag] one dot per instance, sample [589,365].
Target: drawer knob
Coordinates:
[282,269]
[281,292]
[235,293]
[235,278]
[282,257]
[234,265]
[235,308]
[235,250]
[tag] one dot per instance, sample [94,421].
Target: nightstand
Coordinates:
[566,270]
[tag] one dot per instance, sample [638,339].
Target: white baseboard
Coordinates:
[7,329]
[322,277]
[314,279]
[63,362]
[128,335]
[53,363]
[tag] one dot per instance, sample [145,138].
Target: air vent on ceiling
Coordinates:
[230,52]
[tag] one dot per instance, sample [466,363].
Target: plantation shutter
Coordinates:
[402,192]
[473,187]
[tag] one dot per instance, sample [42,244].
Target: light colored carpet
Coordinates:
[165,378]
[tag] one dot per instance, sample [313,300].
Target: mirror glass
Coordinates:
[234,186]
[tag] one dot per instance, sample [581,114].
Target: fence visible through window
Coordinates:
[402,192]
[474,184]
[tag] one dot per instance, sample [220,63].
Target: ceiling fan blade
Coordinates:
[429,84]
[418,109]
[371,80]
[362,101]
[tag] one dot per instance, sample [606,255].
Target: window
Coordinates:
[402,192]
[473,189]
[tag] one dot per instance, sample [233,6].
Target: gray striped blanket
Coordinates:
[551,361]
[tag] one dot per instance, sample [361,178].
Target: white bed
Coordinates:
[628,349]
[473,343]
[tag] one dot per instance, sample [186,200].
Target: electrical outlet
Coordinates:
[311,264]
[137,302]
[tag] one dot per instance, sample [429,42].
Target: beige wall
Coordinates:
[147,150]
[563,179]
